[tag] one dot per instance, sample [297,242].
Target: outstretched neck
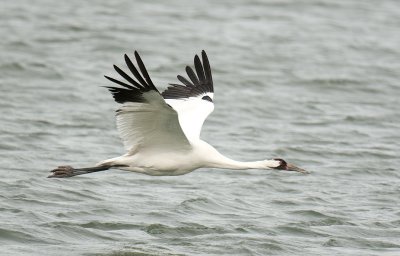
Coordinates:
[227,163]
[217,160]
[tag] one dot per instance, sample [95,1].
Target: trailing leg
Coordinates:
[68,171]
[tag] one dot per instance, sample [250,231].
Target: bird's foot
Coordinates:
[64,171]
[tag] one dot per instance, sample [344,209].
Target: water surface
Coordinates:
[313,82]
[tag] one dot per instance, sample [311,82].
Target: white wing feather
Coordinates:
[192,113]
[152,124]
[148,119]
[193,99]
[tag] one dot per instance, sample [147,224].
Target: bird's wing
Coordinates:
[145,120]
[194,99]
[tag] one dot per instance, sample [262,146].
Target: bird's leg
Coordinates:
[67,171]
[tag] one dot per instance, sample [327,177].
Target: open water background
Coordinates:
[314,82]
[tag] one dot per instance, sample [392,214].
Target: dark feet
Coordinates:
[62,172]
[67,171]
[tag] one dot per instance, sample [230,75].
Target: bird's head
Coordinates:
[283,165]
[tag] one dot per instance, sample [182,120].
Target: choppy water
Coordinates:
[314,82]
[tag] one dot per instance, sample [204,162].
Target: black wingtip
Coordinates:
[145,74]
[204,56]
[127,60]
[184,81]
[120,83]
[137,54]
[196,59]
[138,59]
[192,76]
[109,78]
[198,83]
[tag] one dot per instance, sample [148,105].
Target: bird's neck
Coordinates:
[217,160]
[227,163]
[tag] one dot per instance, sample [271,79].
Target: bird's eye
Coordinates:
[282,165]
[207,98]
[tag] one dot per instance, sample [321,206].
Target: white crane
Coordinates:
[161,131]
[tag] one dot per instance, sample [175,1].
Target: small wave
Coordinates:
[109,225]
[16,236]
[185,229]
[291,229]
[351,242]
[138,251]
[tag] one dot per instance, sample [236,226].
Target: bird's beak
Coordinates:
[293,168]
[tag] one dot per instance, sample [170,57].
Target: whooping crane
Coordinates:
[161,131]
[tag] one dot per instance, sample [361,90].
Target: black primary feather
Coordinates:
[199,69]
[144,71]
[185,81]
[134,71]
[132,92]
[192,76]
[201,81]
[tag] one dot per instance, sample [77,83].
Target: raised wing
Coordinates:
[194,99]
[145,120]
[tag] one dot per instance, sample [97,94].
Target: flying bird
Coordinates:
[161,131]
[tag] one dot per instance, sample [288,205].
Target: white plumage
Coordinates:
[161,131]
[192,113]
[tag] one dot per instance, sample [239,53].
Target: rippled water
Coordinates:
[314,82]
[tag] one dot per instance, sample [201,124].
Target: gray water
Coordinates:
[313,82]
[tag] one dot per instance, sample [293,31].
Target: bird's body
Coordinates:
[164,162]
[161,131]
